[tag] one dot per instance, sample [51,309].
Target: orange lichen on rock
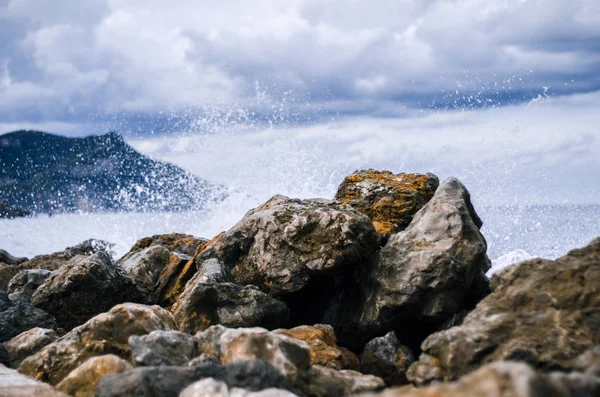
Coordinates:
[184,243]
[324,350]
[390,200]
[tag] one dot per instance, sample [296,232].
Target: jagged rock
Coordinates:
[8,259]
[327,382]
[84,287]
[386,358]
[284,244]
[107,333]
[390,200]
[542,312]
[175,242]
[145,266]
[163,348]
[168,381]
[202,305]
[19,316]
[210,387]
[323,346]
[57,259]
[28,343]
[13,384]
[82,381]
[26,282]
[507,379]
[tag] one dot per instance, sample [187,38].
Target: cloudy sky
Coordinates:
[503,93]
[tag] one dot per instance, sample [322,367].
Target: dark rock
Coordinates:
[4,356]
[57,259]
[545,313]
[84,287]
[11,211]
[7,272]
[28,343]
[386,358]
[26,282]
[202,305]
[8,259]
[20,316]
[163,348]
[179,270]
[107,333]
[144,266]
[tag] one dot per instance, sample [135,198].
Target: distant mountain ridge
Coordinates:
[43,172]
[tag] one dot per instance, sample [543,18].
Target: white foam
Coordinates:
[508,259]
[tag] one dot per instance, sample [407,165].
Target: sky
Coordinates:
[502,93]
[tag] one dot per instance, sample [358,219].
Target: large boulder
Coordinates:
[26,282]
[387,358]
[144,266]
[28,343]
[390,200]
[7,258]
[19,316]
[202,305]
[541,312]
[13,384]
[107,333]
[163,348]
[83,288]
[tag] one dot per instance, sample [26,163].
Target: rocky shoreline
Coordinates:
[380,292]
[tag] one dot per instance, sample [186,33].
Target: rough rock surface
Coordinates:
[507,379]
[13,384]
[386,358]
[57,259]
[7,272]
[323,346]
[19,316]
[107,333]
[202,305]
[210,387]
[390,200]
[163,348]
[84,287]
[26,282]
[145,265]
[175,242]
[28,343]
[82,381]
[281,245]
[541,312]
[327,382]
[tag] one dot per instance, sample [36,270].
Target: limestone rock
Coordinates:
[175,242]
[26,282]
[327,382]
[19,316]
[210,387]
[323,346]
[13,384]
[545,313]
[163,348]
[202,305]
[390,200]
[84,287]
[28,343]
[386,358]
[107,333]
[144,266]
[82,381]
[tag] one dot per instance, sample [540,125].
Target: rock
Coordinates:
[172,280]
[203,359]
[202,305]
[327,382]
[588,362]
[83,288]
[107,333]
[285,243]
[4,357]
[323,346]
[11,211]
[210,387]
[26,282]
[82,381]
[163,348]
[175,242]
[7,272]
[8,259]
[57,259]
[209,340]
[507,379]
[390,200]
[19,316]
[13,384]
[545,313]
[28,343]
[386,358]
[145,266]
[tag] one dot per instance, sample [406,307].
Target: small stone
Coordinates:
[82,381]
[386,358]
[163,348]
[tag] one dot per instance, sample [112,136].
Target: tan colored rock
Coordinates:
[13,384]
[179,242]
[390,200]
[107,333]
[144,266]
[28,343]
[82,381]
[327,382]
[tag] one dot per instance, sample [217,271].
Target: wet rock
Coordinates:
[175,242]
[386,358]
[210,387]
[13,384]
[506,379]
[82,381]
[26,282]
[327,382]
[19,316]
[144,266]
[284,244]
[202,305]
[8,259]
[323,346]
[107,333]
[163,348]
[28,343]
[390,200]
[545,313]
[84,287]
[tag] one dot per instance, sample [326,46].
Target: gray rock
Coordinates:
[386,358]
[210,387]
[83,288]
[28,343]
[327,382]
[7,258]
[13,384]
[203,359]
[163,348]
[19,316]
[145,266]
[202,305]
[26,282]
